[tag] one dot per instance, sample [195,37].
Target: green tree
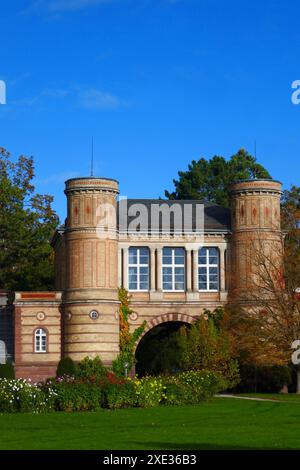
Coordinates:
[27,222]
[210,180]
[205,345]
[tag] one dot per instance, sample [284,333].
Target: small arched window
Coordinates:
[40,341]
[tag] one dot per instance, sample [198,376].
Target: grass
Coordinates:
[281,397]
[218,424]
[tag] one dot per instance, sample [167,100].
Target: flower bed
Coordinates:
[21,395]
[69,393]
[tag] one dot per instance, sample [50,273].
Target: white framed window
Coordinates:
[173,269]
[40,341]
[208,269]
[138,269]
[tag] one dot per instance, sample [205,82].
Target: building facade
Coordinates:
[172,275]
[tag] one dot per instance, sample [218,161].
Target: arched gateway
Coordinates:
[156,350]
[172,274]
[168,317]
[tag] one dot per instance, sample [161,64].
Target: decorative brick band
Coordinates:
[257,186]
[168,317]
[38,295]
[94,184]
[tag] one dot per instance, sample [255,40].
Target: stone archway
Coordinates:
[157,349]
[168,317]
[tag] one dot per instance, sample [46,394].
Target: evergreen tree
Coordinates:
[210,180]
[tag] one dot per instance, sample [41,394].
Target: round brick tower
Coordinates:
[255,216]
[90,297]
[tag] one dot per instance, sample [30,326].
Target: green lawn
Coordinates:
[219,424]
[282,397]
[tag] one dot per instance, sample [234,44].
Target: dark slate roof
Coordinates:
[216,218]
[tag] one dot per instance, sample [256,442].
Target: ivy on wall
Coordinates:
[125,360]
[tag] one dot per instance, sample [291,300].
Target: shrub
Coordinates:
[264,379]
[91,369]
[174,394]
[66,366]
[20,395]
[7,371]
[120,395]
[118,363]
[231,374]
[149,391]
[192,387]
[75,396]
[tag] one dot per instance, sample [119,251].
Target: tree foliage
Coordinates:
[266,320]
[27,222]
[205,345]
[66,366]
[210,180]
[290,209]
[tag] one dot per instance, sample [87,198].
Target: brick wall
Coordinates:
[32,311]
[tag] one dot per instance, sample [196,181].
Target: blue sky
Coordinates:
[158,83]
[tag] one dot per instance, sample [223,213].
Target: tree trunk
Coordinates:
[298,380]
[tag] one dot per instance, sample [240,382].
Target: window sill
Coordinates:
[137,290]
[174,291]
[207,291]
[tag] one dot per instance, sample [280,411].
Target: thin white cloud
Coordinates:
[60,6]
[87,98]
[58,178]
[39,97]
[18,79]
[55,92]
[96,99]
[27,102]
[54,9]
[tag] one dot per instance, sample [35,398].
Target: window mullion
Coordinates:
[138,269]
[208,270]
[174,288]
[172,269]
[207,276]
